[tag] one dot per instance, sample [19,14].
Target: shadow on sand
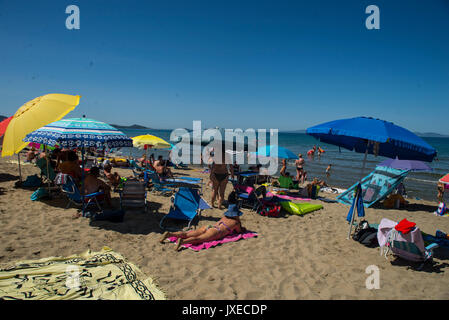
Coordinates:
[5,177]
[136,221]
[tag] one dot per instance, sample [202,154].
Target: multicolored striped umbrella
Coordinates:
[79,132]
[445,180]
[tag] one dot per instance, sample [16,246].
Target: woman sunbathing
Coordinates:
[227,225]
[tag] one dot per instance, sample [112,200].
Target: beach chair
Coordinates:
[408,246]
[133,194]
[186,181]
[287,183]
[187,204]
[179,165]
[248,197]
[157,184]
[133,165]
[74,196]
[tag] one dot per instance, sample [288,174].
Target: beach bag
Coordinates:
[32,181]
[366,235]
[39,194]
[269,209]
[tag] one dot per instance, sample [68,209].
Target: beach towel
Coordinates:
[210,244]
[357,203]
[405,226]
[285,197]
[102,275]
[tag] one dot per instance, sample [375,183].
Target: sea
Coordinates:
[346,165]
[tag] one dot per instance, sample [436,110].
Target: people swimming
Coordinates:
[311,152]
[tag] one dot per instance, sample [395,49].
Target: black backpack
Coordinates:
[366,235]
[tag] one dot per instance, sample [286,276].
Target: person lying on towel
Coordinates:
[227,225]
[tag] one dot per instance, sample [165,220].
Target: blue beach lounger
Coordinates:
[187,204]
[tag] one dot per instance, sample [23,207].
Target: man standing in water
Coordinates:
[300,168]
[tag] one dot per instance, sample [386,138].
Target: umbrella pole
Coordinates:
[48,172]
[364,163]
[146,158]
[82,177]
[20,169]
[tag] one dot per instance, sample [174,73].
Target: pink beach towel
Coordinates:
[210,244]
[282,196]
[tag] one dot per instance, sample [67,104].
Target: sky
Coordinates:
[244,64]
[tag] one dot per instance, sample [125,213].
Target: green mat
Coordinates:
[300,208]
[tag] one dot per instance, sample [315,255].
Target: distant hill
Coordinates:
[2,118]
[419,134]
[431,135]
[134,126]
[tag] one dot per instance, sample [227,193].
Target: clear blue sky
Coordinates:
[260,64]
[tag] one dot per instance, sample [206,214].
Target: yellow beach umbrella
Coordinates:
[151,141]
[34,115]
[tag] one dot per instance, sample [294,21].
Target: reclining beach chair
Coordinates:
[134,194]
[248,197]
[74,196]
[157,184]
[163,185]
[186,181]
[187,204]
[133,164]
[408,246]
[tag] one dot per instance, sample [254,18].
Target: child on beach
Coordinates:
[328,171]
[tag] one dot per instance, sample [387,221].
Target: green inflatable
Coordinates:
[300,208]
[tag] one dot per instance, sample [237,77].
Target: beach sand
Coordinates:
[293,257]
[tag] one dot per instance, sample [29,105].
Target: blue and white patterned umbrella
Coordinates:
[79,132]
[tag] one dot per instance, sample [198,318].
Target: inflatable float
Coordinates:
[300,208]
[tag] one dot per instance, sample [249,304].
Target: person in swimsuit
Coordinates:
[440,188]
[219,177]
[300,169]
[227,225]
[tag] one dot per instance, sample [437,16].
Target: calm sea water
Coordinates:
[346,165]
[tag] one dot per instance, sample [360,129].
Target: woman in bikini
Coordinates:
[219,177]
[299,169]
[227,225]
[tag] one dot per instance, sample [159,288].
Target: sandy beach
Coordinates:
[293,257]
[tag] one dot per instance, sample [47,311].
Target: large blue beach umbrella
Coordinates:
[79,133]
[374,136]
[270,151]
